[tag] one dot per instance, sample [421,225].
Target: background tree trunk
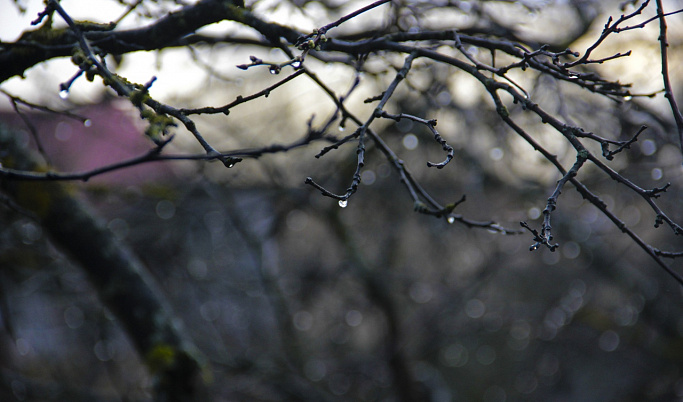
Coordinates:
[123,283]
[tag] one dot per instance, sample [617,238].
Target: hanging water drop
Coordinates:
[274,70]
[628,98]
[451,220]
[341,128]
[87,122]
[343,203]
[64,93]
[230,165]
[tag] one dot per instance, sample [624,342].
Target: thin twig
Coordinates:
[241,99]
[352,15]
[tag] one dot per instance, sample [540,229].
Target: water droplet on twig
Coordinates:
[343,203]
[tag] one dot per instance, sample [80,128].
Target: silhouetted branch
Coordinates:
[668,91]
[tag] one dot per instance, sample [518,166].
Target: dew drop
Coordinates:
[230,165]
[87,122]
[628,98]
[274,70]
[296,64]
[342,128]
[343,203]
[451,220]
[64,94]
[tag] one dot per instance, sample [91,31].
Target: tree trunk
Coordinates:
[122,281]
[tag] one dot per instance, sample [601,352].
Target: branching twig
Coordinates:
[609,155]
[545,238]
[123,89]
[431,126]
[360,134]
[608,29]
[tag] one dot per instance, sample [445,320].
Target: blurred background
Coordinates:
[292,297]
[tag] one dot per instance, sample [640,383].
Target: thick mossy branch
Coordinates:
[45,43]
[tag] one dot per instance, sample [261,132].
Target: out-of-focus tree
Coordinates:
[289,295]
